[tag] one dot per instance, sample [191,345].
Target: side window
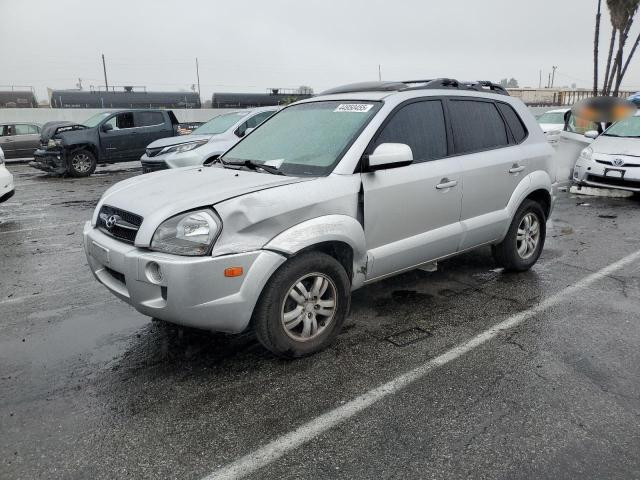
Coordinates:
[23,129]
[580,125]
[7,130]
[514,121]
[477,126]
[147,119]
[419,125]
[253,122]
[3,131]
[122,120]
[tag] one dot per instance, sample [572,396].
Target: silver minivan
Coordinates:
[328,195]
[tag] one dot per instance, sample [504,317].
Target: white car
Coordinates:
[6,181]
[613,158]
[552,124]
[206,142]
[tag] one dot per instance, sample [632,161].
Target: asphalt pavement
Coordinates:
[89,388]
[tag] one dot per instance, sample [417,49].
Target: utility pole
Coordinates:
[379,73]
[104,68]
[198,76]
[540,82]
[553,75]
[549,81]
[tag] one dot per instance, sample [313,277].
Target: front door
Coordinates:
[116,143]
[7,140]
[412,213]
[571,142]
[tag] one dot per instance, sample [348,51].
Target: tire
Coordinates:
[82,163]
[318,273]
[510,253]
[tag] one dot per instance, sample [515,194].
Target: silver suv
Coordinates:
[328,195]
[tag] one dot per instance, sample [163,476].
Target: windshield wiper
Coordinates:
[255,166]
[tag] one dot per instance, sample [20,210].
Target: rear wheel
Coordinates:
[82,163]
[522,246]
[303,306]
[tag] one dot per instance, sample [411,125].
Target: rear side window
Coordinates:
[146,119]
[477,126]
[421,126]
[514,122]
[23,129]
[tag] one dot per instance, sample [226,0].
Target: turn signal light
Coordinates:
[233,271]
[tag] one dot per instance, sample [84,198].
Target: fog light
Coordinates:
[154,273]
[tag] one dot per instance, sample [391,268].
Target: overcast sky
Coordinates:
[250,45]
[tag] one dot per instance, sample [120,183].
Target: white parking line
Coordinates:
[307,432]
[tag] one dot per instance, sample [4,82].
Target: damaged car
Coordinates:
[328,195]
[108,137]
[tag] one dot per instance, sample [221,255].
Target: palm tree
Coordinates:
[622,13]
[596,42]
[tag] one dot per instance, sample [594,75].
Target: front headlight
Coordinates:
[184,147]
[54,142]
[586,154]
[190,233]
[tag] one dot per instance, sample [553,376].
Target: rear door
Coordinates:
[571,142]
[149,126]
[7,140]
[492,166]
[27,140]
[412,213]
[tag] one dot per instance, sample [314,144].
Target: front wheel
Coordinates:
[82,163]
[303,306]
[522,246]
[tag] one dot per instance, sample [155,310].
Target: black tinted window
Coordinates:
[146,119]
[421,126]
[476,126]
[513,120]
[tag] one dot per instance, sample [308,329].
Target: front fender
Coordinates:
[327,228]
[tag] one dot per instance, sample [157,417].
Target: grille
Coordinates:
[606,162]
[148,167]
[613,181]
[152,152]
[126,226]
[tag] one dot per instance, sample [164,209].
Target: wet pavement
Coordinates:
[89,388]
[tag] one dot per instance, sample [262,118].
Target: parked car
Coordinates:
[552,123]
[613,159]
[206,142]
[107,137]
[6,180]
[19,140]
[328,195]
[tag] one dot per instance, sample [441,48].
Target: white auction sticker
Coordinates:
[354,107]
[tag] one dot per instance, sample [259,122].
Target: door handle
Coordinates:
[516,168]
[446,183]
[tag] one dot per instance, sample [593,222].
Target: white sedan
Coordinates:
[6,181]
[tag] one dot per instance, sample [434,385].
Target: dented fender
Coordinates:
[327,228]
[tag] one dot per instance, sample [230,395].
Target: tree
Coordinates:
[622,13]
[596,43]
[512,83]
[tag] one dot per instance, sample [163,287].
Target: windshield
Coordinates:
[219,124]
[551,117]
[305,139]
[96,119]
[629,127]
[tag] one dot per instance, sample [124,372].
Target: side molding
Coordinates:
[328,228]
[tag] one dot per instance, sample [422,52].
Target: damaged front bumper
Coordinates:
[600,172]
[52,161]
[190,291]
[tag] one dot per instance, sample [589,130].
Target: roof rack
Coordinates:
[405,85]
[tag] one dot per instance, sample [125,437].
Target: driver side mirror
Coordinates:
[389,155]
[591,134]
[106,127]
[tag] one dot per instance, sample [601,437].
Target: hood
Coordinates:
[616,146]
[49,129]
[161,195]
[169,141]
